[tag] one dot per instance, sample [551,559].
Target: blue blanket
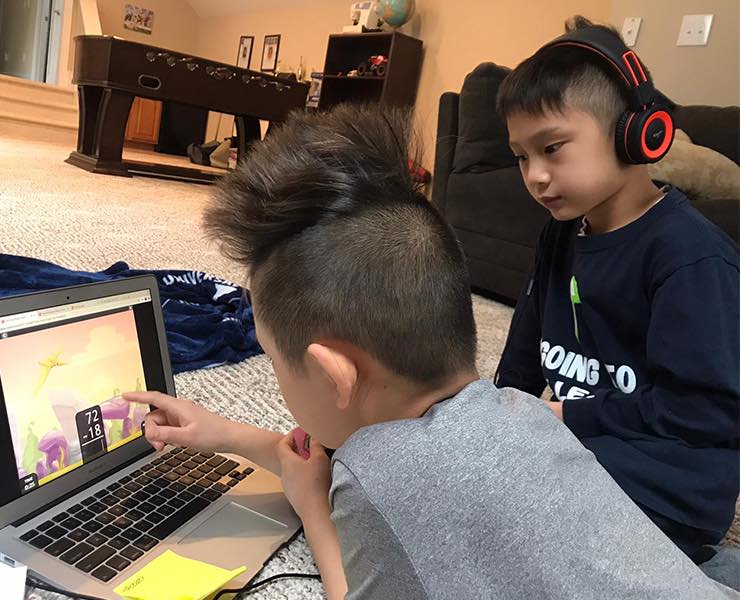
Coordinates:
[208,320]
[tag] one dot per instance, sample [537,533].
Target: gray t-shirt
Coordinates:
[488,495]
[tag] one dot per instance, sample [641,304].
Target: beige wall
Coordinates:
[688,74]
[80,18]
[502,31]
[175,23]
[455,40]
[304,32]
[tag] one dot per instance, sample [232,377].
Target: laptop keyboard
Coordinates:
[107,531]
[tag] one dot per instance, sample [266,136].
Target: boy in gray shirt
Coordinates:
[442,486]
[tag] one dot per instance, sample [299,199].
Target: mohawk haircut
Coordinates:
[553,79]
[341,244]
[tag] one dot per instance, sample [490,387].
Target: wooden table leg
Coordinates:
[111,125]
[88,99]
[247,133]
[103,116]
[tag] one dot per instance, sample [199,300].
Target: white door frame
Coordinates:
[55,42]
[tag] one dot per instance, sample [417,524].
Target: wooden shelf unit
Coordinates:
[346,51]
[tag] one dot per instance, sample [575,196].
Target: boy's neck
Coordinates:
[399,401]
[627,204]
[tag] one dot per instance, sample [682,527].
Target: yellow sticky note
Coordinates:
[173,577]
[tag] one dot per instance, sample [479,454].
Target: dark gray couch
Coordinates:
[478,188]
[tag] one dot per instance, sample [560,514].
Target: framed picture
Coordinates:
[270,51]
[246,42]
[138,19]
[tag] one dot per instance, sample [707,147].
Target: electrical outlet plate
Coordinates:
[630,29]
[694,30]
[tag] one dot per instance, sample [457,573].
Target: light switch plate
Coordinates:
[630,29]
[694,30]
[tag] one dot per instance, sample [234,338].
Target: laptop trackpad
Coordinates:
[232,530]
[234,520]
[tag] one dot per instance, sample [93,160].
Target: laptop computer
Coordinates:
[85,501]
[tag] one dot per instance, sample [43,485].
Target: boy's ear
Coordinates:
[338,367]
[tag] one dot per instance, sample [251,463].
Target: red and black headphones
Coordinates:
[644,131]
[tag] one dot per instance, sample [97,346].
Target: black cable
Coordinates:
[252,587]
[32,582]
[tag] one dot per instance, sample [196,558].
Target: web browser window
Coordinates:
[62,370]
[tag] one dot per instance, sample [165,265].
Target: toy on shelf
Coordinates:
[375,66]
[365,17]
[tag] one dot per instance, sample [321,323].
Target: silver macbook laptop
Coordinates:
[85,502]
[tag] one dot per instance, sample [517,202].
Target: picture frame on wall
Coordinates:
[138,19]
[270,50]
[244,57]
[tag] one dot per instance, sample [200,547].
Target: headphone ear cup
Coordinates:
[620,137]
[633,137]
[644,136]
[653,134]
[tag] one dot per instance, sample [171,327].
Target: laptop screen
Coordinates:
[62,370]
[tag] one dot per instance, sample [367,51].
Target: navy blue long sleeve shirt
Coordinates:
[637,331]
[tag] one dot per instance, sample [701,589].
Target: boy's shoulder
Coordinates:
[682,226]
[380,453]
[472,431]
[404,438]
[671,235]
[681,237]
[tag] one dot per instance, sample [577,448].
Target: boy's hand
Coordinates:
[556,408]
[182,423]
[305,481]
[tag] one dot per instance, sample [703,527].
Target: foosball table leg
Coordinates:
[111,126]
[247,133]
[102,126]
[88,99]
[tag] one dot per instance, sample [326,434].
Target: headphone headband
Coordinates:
[644,132]
[626,63]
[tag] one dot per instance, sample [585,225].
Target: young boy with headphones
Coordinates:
[631,315]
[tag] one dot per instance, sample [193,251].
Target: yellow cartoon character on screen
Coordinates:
[46,366]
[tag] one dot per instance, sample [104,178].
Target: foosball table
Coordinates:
[111,71]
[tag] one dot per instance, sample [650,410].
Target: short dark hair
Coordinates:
[340,243]
[565,77]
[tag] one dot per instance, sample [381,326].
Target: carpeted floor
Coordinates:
[57,212]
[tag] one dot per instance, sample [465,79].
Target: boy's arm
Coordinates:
[520,365]
[693,352]
[183,423]
[255,444]
[321,535]
[376,564]
[306,484]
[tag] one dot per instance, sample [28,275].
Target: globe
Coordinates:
[396,12]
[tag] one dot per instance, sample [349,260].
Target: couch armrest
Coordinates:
[444,154]
[723,212]
[711,126]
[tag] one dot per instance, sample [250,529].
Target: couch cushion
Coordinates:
[495,279]
[495,204]
[702,173]
[483,141]
[723,212]
[712,126]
